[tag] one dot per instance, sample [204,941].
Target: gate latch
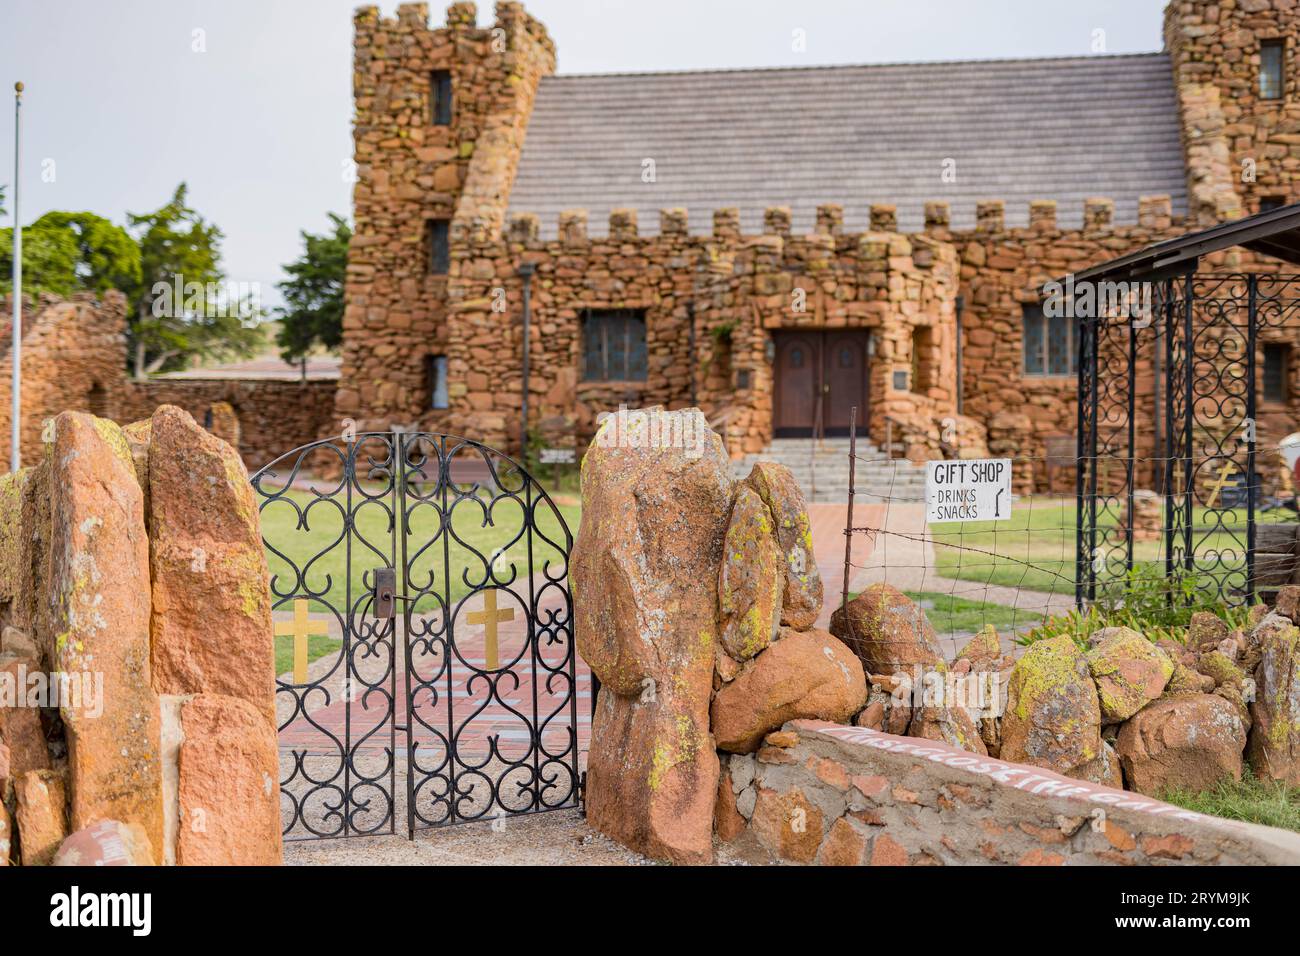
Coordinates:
[385,592]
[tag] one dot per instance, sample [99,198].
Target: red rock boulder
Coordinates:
[804,674]
[888,631]
[1190,742]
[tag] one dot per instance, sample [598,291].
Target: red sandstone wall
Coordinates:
[274,417]
[74,359]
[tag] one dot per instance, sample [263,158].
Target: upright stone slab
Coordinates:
[228,790]
[643,572]
[211,604]
[99,613]
[752,580]
[1274,746]
[803,581]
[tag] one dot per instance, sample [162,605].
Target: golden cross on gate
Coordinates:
[300,628]
[1218,485]
[489,617]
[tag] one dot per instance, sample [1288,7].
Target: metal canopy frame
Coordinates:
[1200,334]
[1274,233]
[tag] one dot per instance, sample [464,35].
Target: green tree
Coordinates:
[313,293]
[67,252]
[183,309]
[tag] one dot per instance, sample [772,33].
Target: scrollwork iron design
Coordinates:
[469,691]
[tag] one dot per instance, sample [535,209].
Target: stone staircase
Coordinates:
[821,466]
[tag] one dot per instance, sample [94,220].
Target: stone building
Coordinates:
[776,245]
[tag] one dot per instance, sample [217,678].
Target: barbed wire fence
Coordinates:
[1138,540]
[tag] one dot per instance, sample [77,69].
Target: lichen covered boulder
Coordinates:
[1053,718]
[888,631]
[1190,743]
[805,674]
[643,570]
[1221,668]
[1274,750]
[1206,630]
[802,600]
[752,581]
[1129,671]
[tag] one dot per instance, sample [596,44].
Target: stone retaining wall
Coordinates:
[841,796]
[274,416]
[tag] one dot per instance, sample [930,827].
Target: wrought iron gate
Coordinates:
[424,629]
[1168,406]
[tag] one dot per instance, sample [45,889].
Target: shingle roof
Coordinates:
[1058,128]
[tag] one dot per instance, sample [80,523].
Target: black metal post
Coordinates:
[1252,480]
[1132,436]
[1170,331]
[526,270]
[1189,410]
[1095,323]
[1085,453]
[848,517]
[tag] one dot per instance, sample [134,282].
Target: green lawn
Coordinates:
[449,565]
[951,614]
[1251,800]
[1035,547]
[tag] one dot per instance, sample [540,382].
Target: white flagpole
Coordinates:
[15,453]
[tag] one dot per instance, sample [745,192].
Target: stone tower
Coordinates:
[440,119]
[1241,134]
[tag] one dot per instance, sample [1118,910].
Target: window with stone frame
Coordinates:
[1277,372]
[437,239]
[435,381]
[614,345]
[1272,69]
[440,98]
[1051,343]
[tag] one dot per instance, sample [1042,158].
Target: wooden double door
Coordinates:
[819,376]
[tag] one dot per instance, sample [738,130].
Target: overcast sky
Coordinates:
[120,107]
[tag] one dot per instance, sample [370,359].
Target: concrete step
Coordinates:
[822,470]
